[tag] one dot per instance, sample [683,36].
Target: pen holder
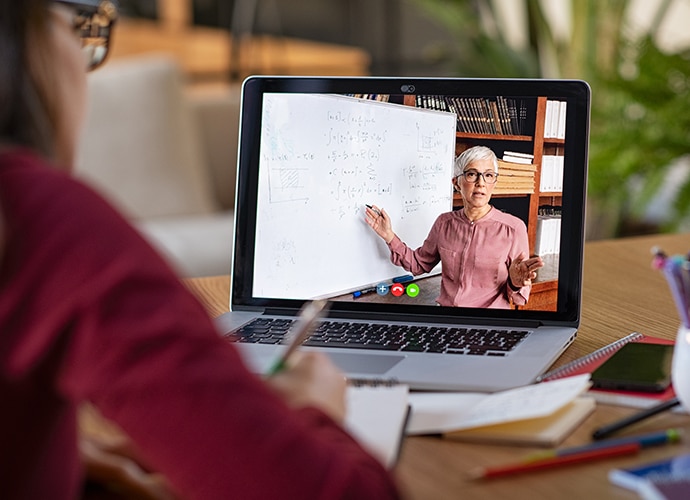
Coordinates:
[680,369]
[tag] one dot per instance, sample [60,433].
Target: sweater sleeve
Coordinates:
[137,344]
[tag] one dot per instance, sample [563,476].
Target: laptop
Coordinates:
[316,151]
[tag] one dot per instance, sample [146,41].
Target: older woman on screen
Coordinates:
[484,253]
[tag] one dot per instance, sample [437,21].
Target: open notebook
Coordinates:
[315,151]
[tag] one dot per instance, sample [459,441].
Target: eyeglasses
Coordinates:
[473,176]
[93,22]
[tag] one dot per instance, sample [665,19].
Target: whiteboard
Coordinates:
[322,158]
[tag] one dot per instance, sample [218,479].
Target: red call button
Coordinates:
[397,289]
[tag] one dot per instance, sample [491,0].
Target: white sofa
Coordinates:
[165,153]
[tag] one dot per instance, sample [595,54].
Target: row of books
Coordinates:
[551,180]
[372,97]
[548,240]
[481,115]
[554,119]
[515,178]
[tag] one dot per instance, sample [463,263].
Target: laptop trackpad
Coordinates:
[364,363]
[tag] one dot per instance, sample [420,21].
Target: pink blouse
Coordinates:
[474,257]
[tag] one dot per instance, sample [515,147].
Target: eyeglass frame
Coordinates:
[478,174]
[94,20]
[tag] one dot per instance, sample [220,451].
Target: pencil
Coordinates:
[558,461]
[577,454]
[310,313]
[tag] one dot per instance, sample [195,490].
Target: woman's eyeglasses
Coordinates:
[472,176]
[93,23]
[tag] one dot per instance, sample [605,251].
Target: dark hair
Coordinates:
[27,116]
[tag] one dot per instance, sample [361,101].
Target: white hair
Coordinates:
[471,155]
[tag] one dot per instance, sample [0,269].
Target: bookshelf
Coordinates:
[545,288]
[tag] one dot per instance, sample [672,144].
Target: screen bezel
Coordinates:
[575,92]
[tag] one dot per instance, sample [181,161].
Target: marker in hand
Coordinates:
[372,208]
[308,317]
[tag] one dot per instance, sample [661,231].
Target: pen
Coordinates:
[609,429]
[643,440]
[309,314]
[558,461]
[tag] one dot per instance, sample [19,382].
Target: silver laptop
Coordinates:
[315,151]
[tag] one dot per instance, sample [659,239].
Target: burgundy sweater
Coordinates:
[88,311]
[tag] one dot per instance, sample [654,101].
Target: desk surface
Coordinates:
[621,294]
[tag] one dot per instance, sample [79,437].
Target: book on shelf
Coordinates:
[668,478]
[548,239]
[516,157]
[533,415]
[588,363]
[554,119]
[551,179]
[481,115]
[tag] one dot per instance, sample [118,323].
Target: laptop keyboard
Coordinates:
[410,338]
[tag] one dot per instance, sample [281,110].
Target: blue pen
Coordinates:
[403,279]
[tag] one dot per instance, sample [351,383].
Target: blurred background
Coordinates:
[634,54]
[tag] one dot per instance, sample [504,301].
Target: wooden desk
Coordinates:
[621,294]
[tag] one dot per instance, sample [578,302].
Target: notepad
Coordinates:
[377,414]
[537,415]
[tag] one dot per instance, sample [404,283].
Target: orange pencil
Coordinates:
[548,463]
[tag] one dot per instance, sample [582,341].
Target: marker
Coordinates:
[403,279]
[359,293]
[369,206]
[609,429]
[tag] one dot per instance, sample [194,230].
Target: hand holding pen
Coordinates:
[310,379]
[380,222]
[309,315]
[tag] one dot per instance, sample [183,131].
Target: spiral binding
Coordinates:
[575,365]
[374,382]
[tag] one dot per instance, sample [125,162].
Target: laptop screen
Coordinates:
[329,168]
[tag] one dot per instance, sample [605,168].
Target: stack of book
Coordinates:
[515,177]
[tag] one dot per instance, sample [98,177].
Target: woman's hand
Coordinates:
[522,270]
[311,379]
[380,222]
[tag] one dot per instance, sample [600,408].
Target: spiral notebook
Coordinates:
[591,361]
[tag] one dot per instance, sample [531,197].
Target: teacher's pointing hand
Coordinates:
[380,222]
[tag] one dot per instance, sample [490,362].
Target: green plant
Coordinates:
[640,94]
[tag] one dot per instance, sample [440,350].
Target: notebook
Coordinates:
[315,151]
[591,361]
